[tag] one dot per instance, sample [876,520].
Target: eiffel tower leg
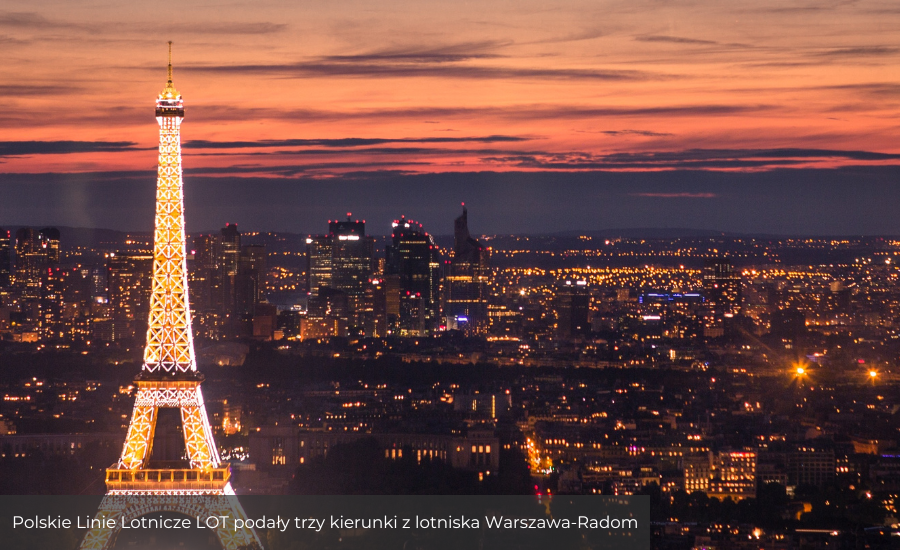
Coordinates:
[102,538]
[231,538]
[128,507]
[198,438]
[140,435]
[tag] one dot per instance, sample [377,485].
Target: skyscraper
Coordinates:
[573,305]
[4,258]
[341,261]
[205,281]
[29,264]
[250,281]
[413,257]
[722,293]
[128,291]
[36,253]
[229,257]
[467,279]
[49,241]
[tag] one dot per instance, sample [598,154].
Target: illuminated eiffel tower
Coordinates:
[200,484]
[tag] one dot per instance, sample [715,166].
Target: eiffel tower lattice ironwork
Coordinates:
[199,485]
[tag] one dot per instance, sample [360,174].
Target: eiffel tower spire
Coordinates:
[169,377]
[170,347]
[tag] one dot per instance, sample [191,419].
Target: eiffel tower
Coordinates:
[138,484]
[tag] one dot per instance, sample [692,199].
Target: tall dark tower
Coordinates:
[49,241]
[413,258]
[467,280]
[4,258]
[722,293]
[29,263]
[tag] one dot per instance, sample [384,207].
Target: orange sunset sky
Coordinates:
[325,91]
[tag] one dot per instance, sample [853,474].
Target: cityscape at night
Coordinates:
[557,253]
[703,370]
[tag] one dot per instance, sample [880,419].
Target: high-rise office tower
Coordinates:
[229,258]
[341,261]
[36,253]
[128,292]
[250,281]
[413,258]
[722,293]
[4,258]
[29,263]
[573,305]
[467,280]
[49,242]
[722,286]
[205,282]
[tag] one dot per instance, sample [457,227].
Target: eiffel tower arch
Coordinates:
[198,485]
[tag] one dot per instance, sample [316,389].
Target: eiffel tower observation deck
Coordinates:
[197,481]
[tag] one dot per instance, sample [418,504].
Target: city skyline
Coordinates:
[775,118]
[680,281]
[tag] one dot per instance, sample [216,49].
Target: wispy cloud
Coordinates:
[675,40]
[699,159]
[510,112]
[461,60]
[645,133]
[33,21]
[36,89]
[36,22]
[860,51]
[13,148]
[450,53]
[344,142]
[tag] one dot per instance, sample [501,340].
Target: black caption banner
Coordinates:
[325,522]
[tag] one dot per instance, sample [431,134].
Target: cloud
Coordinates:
[343,142]
[36,22]
[512,112]
[248,27]
[434,54]
[428,63]
[691,159]
[11,148]
[314,170]
[675,40]
[35,89]
[393,151]
[30,20]
[645,133]
[860,51]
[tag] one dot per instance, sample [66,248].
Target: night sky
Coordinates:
[752,117]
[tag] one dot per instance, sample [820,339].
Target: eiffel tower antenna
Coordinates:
[169,378]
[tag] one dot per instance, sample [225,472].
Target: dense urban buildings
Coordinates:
[227,280]
[702,371]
